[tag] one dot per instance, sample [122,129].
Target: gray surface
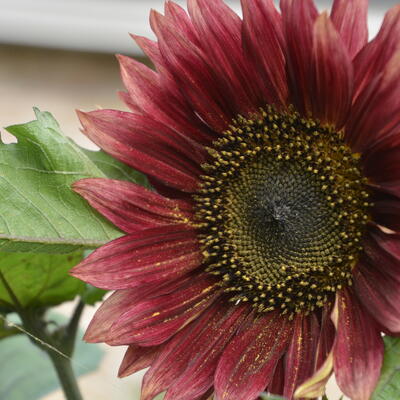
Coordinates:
[100,25]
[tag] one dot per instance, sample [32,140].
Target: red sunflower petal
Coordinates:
[208,94]
[153,321]
[333,74]
[298,19]
[376,112]
[180,18]
[132,207]
[382,257]
[145,145]
[137,358]
[299,360]
[124,96]
[326,338]
[158,97]
[141,131]
[378,291]
[376,100]
[386,210]
[350,19]
[183,119]
[248,363]
[381,165]
[141,83]
[263,46]
[206,396]
[175,356]
[372,59]
[358,349]
[198,377]
[121,300]
[110,310]
[151,50]
[380,162]
[278,381]
[220,31]
[154,255]
[389,245]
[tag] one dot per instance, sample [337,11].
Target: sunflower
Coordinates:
[268,254]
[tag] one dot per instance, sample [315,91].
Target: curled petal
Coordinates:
[323,361]
[315,386]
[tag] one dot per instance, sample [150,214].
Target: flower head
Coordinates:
[272,143]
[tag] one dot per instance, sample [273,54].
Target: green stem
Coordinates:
[36,327]
[60,360]
[68,340]
[66,375]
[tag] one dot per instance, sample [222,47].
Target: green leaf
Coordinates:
[388,387]
[92,295]
[38,280]
[39,211]
[115,169]
[29,373]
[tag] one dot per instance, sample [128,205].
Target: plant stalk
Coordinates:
[39,336]
[65,375]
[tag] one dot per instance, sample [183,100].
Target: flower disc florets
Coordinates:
[283,208]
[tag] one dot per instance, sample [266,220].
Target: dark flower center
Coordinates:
[283,207]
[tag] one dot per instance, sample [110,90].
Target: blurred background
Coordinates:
[58,55]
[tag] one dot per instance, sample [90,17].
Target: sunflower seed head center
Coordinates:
[282,207]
